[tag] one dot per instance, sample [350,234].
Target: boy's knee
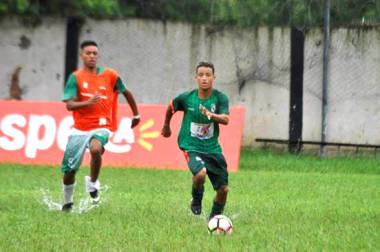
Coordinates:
[96,147]
[96,150]
[223,190]
[202,173]
[200,177]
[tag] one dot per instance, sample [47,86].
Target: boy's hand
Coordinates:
[166,131]
[205,112]
[94,99]
[135,121]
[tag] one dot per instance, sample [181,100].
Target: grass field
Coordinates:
[277,202]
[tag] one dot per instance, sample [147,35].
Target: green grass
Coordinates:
[278,202]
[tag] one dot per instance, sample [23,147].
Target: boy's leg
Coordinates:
[197,191]
[96,150]
[218,175]
[68,190]
[219,201]
[197,168]
[72,159]
[92,182]
[99,139]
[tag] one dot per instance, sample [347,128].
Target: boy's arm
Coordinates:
[132,103]
[166,131]
[70,96]
[218,118]
[73,104]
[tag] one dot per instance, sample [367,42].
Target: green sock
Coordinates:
[216,209]
[197,193]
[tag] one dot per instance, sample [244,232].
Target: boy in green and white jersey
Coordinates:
[204,109]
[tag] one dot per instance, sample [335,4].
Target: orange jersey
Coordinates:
[82,85]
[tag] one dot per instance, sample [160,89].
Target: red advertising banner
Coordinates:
[37,133]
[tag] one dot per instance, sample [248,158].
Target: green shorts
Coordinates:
[77,144]
[214,163]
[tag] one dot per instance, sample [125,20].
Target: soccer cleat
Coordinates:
[95,197]
[67,207]
[93,189]
[196,207]
[94,194]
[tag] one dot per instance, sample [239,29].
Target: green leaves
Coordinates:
[244,13]
[22,5]
[98,8]
[3,8]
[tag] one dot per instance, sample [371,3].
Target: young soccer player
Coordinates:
[204,109]
[91,93]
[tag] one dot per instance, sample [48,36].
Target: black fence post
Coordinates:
[296,90]
[73,25]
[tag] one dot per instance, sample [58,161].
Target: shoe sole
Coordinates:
[67,207]
[193,211]
[95,200]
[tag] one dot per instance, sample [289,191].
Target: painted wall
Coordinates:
[354,86]
[39,51]
[157,62]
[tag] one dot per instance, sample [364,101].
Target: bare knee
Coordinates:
[96,147]
[199,178]
[223,190]
[96,151]
[202,173]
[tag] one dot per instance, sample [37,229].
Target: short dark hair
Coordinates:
[88,43]
[205,64]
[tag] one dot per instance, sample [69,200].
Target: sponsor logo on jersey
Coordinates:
[213,108]
[91,95]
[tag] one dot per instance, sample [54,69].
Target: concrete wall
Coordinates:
[157,62]
[39,51]
[354,86]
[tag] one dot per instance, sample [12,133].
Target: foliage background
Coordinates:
[301,13]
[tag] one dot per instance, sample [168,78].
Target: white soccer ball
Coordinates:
[219,224]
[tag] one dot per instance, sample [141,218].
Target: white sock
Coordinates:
[68,193]
[91,186]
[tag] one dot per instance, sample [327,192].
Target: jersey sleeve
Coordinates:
[120,86]
[223,104]
[178,102]
[70,91]
[118,83]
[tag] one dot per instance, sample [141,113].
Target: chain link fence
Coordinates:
[353,89]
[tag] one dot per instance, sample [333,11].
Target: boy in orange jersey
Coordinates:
[91,93]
